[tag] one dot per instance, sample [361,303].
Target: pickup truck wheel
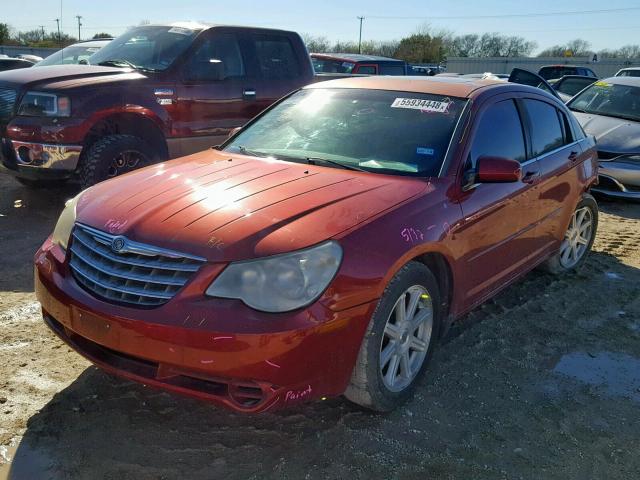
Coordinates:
[36,184]
[114,155]
[578,239]
[399,340]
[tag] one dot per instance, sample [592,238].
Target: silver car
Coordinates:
[609,109]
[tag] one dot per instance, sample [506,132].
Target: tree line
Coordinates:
[39,37]
[434,47]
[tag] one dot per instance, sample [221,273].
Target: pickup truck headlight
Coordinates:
[41,104]
[280,283]
[62,232]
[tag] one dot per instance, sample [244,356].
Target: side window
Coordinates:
[391,69]
[367,70]
[499,134]
[276,57]
[217,58]
[546,130]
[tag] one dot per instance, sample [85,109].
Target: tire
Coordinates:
[38,184]
[557,264]
[104,156]
[369,386]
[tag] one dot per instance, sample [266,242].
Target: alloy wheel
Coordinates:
[406,339]
[125,162]
[576,240]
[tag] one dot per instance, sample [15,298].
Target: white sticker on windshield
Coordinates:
[422,105]
[181,30]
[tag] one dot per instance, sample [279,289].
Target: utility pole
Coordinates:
[79,17]
[42,29]
[59,38]
[360,38]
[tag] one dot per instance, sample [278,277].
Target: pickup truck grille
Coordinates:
[120,270]
[7,103]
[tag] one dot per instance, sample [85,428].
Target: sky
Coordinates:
[337,20]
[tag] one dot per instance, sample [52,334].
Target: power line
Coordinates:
[512,15]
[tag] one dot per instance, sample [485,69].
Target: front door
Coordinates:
[211,99]
[498,217]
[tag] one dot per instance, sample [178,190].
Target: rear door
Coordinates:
[497,216]
[557,152]
[276,68]
[208,105]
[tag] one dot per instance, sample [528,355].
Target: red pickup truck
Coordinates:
[154,93]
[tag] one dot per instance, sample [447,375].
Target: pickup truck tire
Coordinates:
[369,387]
[114,155]
[36,184]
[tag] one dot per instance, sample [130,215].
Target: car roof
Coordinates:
[200,26]
[454,86]
[629,68]
[13,59]
[98,42]
[629,81]
[356,57]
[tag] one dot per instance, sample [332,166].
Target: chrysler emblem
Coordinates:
[117,244]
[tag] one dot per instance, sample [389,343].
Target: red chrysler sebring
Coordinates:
[325,247]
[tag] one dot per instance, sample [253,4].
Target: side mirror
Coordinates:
[233,131]
[498,170]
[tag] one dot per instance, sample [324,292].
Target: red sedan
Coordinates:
[327,246]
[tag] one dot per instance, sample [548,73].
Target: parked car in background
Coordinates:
[154,93]
[351,63]
[550,72]
[487,75]
[610,110]
[569,85]
[629,72]
[327,246]
[30,58]
[73,54]
[8,63]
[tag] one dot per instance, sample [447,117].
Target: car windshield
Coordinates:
[603,98]
[147,48]
[325,65]
[68,55]
[401,133]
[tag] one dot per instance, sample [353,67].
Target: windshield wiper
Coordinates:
[253,153]
[579,110]
[314,160]
[117,62]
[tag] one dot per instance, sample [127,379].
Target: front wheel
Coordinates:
[399,340]
[115,155]
[578,238]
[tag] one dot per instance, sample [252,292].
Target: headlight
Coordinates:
[280,283]
[67,218]
[41,104]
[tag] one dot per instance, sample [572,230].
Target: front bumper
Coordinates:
[35,160]
[619,179]
[309,355]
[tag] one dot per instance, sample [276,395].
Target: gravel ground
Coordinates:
[541,382]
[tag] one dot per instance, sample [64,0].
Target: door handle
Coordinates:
[249,92]
[530,177]
[573,156]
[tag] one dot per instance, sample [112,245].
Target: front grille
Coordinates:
[7,103]
[114,268]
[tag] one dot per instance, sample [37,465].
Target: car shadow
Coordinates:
[619,207]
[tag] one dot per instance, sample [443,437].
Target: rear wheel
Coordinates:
[399,340]
[115,155]
[578,238]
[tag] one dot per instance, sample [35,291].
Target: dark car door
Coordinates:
[498,217]
[276,68]
[211,98]
[558,152]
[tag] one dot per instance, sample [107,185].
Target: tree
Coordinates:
[316,44]
[100,35]
[489,45]
[5,33]
[421,48]
[577,48]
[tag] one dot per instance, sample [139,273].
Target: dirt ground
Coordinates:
[541,382]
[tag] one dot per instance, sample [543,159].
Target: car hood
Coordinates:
[230,207]
[60,76]
[613,135]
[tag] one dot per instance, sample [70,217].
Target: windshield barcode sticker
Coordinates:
[421,104]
